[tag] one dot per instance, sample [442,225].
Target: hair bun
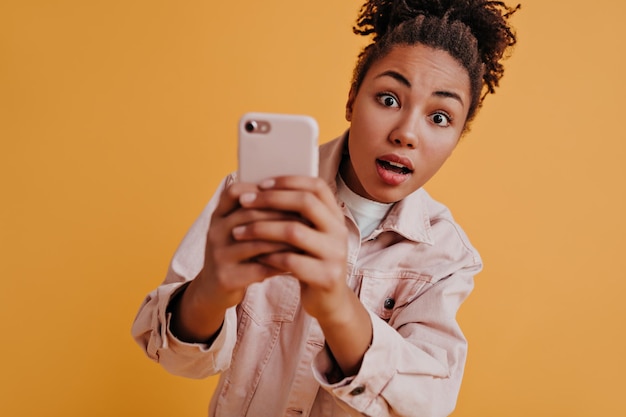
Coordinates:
[485,19]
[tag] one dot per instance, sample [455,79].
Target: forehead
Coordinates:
[419,63]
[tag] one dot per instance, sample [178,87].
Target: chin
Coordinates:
[388,196]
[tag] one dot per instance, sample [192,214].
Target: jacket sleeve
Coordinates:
[151,328]
[415,363]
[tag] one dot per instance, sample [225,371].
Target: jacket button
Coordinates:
[358,390]
[389,303]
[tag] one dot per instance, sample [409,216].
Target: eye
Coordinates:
[441,119]
[387,100]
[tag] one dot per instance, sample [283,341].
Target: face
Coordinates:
[405,121]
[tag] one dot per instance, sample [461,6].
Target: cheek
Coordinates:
[441,141]
[442,156]
[435,156]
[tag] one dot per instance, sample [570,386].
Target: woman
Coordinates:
[363,323]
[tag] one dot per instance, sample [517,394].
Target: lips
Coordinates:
[394,169]
[393,166]
[396,163]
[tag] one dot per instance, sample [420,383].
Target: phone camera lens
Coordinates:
[250,126]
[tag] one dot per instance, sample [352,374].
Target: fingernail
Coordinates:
[238,231]
[268,183]
[247,198]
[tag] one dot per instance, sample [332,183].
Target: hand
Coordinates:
[228,267]
[318,259]
[318,239]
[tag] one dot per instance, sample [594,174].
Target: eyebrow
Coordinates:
[403,80]
[449,94]
[396,76]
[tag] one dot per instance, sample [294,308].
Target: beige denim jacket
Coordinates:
[412,273]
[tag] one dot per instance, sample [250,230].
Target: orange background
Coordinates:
[117,121]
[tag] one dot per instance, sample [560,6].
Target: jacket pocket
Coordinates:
[384,292]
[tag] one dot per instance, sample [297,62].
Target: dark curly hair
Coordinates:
[474,32]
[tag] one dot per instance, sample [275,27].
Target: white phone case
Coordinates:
[273,145]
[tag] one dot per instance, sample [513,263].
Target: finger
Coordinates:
[220,232]
[294,234]
[244,216]
[315,185]
[229,199]
[248,250]
[234,266]
[223,250]
[323,216]
[244,274]
[311,271]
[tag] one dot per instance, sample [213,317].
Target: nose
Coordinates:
[405,133]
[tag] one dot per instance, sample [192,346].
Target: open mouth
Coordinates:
[394,167]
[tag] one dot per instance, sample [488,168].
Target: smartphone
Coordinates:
[273,145]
